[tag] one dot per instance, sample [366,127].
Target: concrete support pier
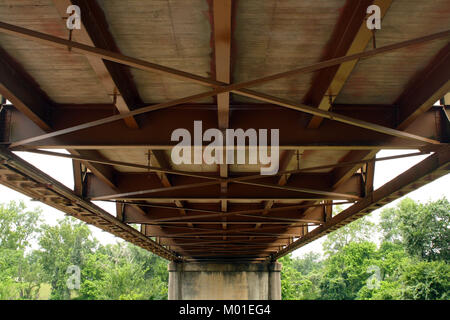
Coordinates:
[227,281]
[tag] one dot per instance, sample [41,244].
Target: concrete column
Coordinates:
[227,281]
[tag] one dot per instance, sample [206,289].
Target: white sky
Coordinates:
[61,169]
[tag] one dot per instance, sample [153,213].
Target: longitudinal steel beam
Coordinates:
[21,176]
[222,16]
[218,86]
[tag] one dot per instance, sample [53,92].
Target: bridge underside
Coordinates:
[113,93]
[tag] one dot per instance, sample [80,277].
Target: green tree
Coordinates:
[424,229]
[299,280]
[30,276]
[20,271]
[308,263]
[124,271]
[93,275]
[346,272]
[65,244]
[390,260]
[426,281]
[358,231]
[386,290]
[17,226]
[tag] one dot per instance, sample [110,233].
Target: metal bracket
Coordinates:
[374,39]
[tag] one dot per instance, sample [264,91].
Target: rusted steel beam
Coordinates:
[104,172]
[263,97]
[148,66]
[369,176]
[248,258]
[237,218]
[229,180]
[124,195]
[218,198]
[201,242]
[286,213]
[425,89]
[426,171]
[121,163]
[218,86]
[247,222]
[246,246]
[160,158]
[281,181]
[327,211]
[156,131]
[222,12]
[78,178]
[165,213]
[183,187]
[188,232]
[350,36]
[222,15]
[62,198]
[20,88]
[232,251]
[115,78]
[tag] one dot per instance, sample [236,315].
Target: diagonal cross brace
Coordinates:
[219,87]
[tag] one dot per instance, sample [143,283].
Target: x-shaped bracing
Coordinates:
[216,180]
[218,87]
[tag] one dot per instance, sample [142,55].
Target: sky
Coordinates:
[61,170]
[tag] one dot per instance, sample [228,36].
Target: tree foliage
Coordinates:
[17,226]
[20,272]
[124,272]
[424,229]
[357,231]
[66,244]
[410,262]
[118,271]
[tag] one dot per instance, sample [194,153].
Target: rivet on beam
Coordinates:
[114,95]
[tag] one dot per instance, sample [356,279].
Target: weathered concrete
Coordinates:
[214,281]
